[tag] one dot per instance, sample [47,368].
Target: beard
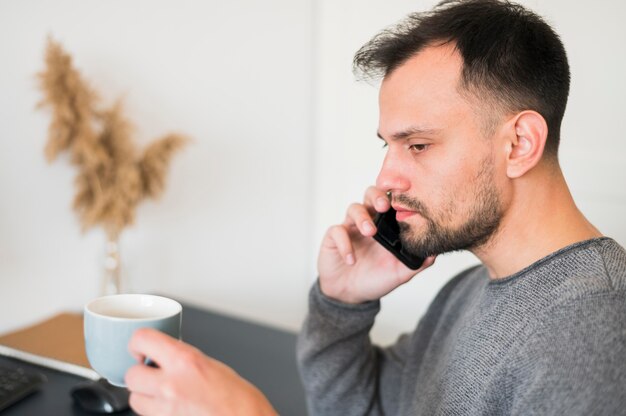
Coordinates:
[482,222]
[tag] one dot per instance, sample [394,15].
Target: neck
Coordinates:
[540,218]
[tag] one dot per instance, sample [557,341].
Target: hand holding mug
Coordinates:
[187,382]
[110,322]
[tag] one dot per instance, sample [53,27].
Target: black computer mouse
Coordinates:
[100,397]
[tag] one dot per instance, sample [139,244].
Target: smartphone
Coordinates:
[388,235]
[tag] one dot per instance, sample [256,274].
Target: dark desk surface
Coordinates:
[262,355]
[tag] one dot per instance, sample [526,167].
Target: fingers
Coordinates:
[428,261]
[144,384]
[145,405]
[339,239]
[148,342]
[376,199]
[361,215]
[143,379]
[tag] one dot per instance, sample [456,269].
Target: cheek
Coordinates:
[435,178]
[449,198]
[460,189]
[502,182]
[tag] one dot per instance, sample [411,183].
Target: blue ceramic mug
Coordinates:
[110,322]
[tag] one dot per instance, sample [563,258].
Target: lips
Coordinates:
[403,213]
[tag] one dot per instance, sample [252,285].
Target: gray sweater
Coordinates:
[548,340]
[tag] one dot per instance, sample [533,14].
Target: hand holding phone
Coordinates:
[352,268]
[388,235]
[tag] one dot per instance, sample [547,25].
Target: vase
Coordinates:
[112,279]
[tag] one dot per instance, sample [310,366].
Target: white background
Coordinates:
[284,139]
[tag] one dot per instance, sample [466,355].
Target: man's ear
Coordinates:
[527,143]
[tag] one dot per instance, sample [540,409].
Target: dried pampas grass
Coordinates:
[113,175]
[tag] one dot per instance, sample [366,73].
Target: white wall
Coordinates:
[232,229]
[284,141]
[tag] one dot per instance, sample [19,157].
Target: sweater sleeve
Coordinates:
[574,361]
[343,373]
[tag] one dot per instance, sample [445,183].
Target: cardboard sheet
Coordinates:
[59,337]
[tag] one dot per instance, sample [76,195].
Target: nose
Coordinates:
[392,176]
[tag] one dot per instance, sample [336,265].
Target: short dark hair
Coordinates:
[509,53]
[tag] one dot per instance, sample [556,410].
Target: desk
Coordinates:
[262,355]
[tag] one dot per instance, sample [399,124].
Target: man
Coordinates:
[471,102]
[470,108]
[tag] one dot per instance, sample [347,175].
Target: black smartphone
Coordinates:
[388,235]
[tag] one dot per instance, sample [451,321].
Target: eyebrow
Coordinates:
[410,132]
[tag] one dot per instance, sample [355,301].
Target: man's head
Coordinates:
[512,60]
[472,97]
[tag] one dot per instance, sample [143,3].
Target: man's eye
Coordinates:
[418,148]
[385,145]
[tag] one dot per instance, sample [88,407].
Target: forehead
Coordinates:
[423,87]
[434,66]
